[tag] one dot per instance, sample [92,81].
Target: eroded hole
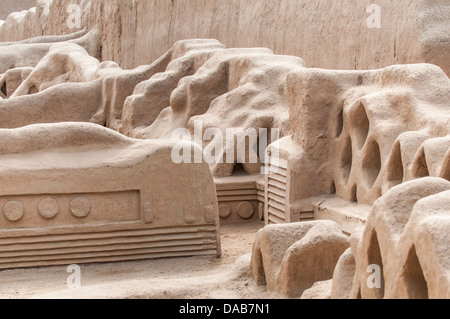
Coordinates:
[395,167]
[347,159]
[416,285]
[375,259]
[362,125]
[4,90]
[332,188]
[354,194]
[420,167]
[340,123]
[239,170]
[33,90]
[266,138]
[372,163]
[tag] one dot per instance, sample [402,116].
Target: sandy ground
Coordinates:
[227,277]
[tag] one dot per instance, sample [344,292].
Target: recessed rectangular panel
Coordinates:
[28,211]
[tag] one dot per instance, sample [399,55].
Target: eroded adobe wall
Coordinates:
[326,34]
[6,7]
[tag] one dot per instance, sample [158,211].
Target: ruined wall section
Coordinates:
[334,35]
[6,7]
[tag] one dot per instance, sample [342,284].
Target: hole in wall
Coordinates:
[33,90]
[354,194]
[374,255]
[4,90]
[340,124]
[265,139]
[420,167]
[347,159]
[360,80]
[372,163]
[332,188]
[395,169]
[416,285]
[239,170]
[362,125]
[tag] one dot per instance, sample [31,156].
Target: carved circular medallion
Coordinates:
[224,210]
[245,210]
[80,207]
[13,211]
[48,208]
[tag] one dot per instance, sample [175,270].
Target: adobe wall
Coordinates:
[326,34]
[8,6]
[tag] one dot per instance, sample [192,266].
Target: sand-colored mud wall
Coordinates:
[340,34]
[6,7]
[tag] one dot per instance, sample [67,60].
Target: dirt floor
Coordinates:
[227,277]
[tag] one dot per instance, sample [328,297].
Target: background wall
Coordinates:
[325,33]
[8,6]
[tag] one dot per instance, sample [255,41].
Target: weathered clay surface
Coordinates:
[406,235]
[361,153]
[151,97]
[336,36]
[342,135]
[290,258]
[12,79]
[7,7]
[48,39]
[343,276]
[104,90]
[364,130]
[235,88]
[82,193]
[202,81]
[16,55]
[320,290]
[65,62]
[355,135]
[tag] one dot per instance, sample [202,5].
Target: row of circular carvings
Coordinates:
[245,210]
[47,208]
